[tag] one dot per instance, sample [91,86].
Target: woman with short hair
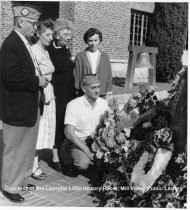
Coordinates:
[92,60]
[62,81]
[46,134]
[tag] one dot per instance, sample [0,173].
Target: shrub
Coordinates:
[168,31]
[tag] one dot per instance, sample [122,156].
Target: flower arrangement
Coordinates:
[142,101]
[108,138]
[137,151]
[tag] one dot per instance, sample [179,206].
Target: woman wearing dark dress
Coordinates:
[62,81]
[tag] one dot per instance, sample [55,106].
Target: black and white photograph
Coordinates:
[93,104]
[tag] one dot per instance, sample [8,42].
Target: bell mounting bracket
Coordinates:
[133,53]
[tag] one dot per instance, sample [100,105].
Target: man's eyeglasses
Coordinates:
[32,23]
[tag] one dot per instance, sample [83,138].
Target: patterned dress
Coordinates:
[46,134]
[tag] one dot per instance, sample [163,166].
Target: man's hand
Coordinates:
[70,133]
[43,81]
[90,155]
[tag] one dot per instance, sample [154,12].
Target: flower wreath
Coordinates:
[111,141]
[138,163]
[138,150]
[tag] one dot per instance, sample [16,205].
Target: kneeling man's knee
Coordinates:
[83,164]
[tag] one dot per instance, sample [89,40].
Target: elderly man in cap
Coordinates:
[19,103]
[82,116]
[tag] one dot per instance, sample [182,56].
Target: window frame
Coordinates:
[138,20]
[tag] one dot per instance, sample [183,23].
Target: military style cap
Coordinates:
[90,79]
[26,11]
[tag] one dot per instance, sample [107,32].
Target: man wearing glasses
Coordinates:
[19,103]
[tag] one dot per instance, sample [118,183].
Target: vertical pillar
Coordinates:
[152,72]
[131,69]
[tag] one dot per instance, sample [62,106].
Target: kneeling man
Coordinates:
[82,116]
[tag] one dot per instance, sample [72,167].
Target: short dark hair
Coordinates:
[48,23]
[42,25]
[91,32]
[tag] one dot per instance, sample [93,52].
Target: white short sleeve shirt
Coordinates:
[80,114]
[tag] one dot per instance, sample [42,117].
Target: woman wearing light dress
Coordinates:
[46,135]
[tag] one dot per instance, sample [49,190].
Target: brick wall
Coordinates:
[67,10]
[112,18]
[6,19]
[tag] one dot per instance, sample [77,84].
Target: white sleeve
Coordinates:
[70,115]
[106,106]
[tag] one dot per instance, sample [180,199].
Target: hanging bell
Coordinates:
[143,61]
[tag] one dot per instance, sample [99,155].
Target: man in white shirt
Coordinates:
[82,116]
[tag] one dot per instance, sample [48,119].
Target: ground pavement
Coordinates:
[57,190]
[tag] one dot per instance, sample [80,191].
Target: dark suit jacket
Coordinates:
[19,86]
